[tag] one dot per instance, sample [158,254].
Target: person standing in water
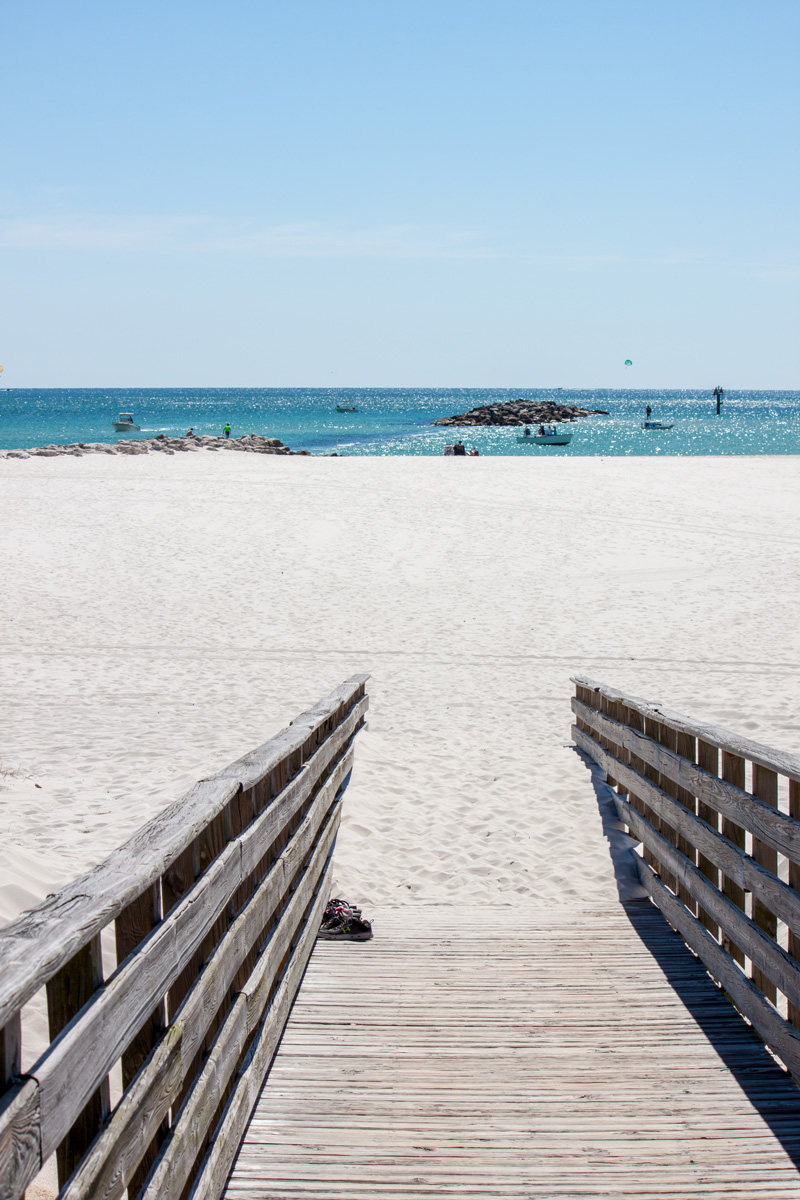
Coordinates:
[227,430]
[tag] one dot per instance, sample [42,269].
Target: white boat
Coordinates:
[550,437]
[657,424]
[125,424]
[346,408]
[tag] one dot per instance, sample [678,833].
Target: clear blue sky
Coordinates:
[427,193]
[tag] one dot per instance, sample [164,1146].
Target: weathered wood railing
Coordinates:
[214,907]
[720,860]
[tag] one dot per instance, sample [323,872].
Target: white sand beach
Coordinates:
[162,616]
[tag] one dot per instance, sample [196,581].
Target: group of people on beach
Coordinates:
[460,450]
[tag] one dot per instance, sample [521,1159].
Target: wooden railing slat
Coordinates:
[68,1070]
[245,931]
[251,768]
[772,960]
[224,876]
[718,850]
[773,827]
[765,756]
[36,944]
[158,1085]
[33,947]
[20,1138]
[286,804]
[219,1159]
[178,1156]
[257,988]
[776,1032]
[690,811]
[114,1161]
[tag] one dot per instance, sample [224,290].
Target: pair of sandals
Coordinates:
[343,922]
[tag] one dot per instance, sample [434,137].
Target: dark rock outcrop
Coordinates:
[521,412]
[253,443]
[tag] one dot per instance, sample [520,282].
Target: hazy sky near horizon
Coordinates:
[446,194]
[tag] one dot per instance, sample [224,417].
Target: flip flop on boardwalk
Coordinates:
[343,922]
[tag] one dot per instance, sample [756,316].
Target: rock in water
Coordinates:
[521,412]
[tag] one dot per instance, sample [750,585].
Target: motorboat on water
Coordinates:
[657,424]
[548,435]
[125,424]
[346,408]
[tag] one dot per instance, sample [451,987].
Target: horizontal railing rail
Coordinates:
[721,859]
[214,907]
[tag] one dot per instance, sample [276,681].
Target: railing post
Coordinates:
[652,729]
[636,722]
[583,694]
[133,925]
[708,759]
[10,1050]
[668,737]
[607,707]
[765,786]
[67,992]
[733,772]
[686,746]
[794,882]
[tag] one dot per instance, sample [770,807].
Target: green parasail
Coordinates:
[628,362]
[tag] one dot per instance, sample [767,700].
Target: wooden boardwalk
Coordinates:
[518,1054]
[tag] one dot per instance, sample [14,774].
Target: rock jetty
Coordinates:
[521,412]
[252,443]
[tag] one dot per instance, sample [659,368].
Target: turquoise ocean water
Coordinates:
[398,421]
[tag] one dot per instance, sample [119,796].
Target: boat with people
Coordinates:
[649,423]
[126,424]
[546,435]
[346,408]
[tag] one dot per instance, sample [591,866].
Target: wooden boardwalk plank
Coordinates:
[519,1055]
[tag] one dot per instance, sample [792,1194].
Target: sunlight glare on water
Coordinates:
[398,421]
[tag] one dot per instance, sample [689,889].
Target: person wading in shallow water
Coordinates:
[227,430]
